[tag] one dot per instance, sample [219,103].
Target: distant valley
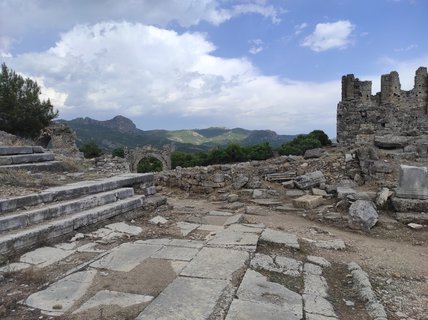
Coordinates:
[121,131]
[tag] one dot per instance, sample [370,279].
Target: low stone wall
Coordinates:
[255,174]
[109,164]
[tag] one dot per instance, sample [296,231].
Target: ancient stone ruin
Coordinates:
[253,240]
[134,156]
[61,139]
[390,119]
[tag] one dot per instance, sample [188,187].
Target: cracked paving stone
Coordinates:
[256,288]
[216,263]
[280,237]
[60,296]
[186,299]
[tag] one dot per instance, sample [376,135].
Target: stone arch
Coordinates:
[134,156]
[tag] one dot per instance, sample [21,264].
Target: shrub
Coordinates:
[299,145]
[321,136]
[118,152]
[90,150]
[149,164]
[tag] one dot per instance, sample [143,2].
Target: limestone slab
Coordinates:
[215,263]
[280,237]
[160,241]
[256,288]
[413,182]
[186,228]
[285,265]
[248,228]
[251,310]
[124,228]
[89,247]
[220,213]
[175,253]
[316,285]
[233,219]
[210,228]
[61,295]
[126,257]
[336,244]
[322,262]
[45,256]
[187,243]
[185,299]
[121,299]
[313,269]
[14,266]
[317,305]
[231,239]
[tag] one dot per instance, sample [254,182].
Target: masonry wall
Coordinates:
[362,116]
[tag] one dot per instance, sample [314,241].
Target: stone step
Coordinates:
[24,219]
[16,241]
[11,150]
[36,166]
[26,158]
[76,190]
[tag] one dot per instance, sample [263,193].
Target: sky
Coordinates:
[186,64]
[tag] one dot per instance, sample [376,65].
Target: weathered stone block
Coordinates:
[391,141]
[308,202]
[381,167]
[319,192]
[309,180]
[343,192]
[15,150]
[413,182]
[409,205]
[313,153]
[362,215]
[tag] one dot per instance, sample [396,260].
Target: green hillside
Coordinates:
[121,132]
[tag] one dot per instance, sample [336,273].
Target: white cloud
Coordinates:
[405,49]
[19,17]
[268,11]
[299,28]
[256,46]
[143,71]
[335,35]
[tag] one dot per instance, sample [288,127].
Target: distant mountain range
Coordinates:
[121,131]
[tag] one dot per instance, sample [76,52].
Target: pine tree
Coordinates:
[21,110]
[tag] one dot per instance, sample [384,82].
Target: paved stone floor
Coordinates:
[218,274]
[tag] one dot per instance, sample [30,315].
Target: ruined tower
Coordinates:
[361,116]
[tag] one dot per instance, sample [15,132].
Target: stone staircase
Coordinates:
[29,220]
[32,158]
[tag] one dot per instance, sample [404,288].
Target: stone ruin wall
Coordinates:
[219,179]
[363,118]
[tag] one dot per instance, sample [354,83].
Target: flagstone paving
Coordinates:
[221,276]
